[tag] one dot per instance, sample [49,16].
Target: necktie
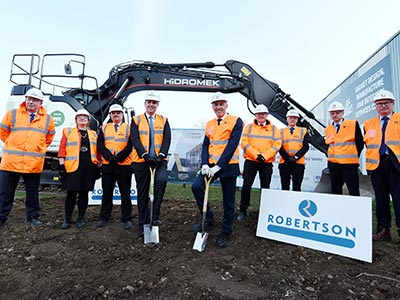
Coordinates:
[383,149]
[31,117]
[116,127]
[219,121]
[291,130]
[337,128]
[151,125]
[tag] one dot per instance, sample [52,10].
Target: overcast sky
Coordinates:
[308,47]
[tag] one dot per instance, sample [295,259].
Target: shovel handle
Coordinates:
[151,193]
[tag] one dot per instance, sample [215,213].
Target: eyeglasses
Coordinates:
[32,99]
[381,104]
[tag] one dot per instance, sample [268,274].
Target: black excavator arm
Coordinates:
[231,77]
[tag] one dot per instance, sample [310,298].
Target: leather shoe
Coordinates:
[156,223]
[127,225]
[209,225]
[101,223]
[140,232]
[2,223]
[242,215]
[222,240]
[398,231]
[382,235]
[66,224]
[80,223]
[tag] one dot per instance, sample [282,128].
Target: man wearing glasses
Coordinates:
[345,141]
[382,136]
[26,132]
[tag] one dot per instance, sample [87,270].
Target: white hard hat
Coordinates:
[35,93]
[115,107]
[82,112]
[384,94]
[335,105]
[151,95]
[292,113]
[261,108]
[218,96]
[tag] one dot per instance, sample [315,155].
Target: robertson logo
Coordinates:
[192,82]
[308,226]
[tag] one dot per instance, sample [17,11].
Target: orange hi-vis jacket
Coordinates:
[219,136]
[292,143]
[373,139]
[70,146]
[115,142]
[25,143]
[342,146]
[144,133]
[265,140]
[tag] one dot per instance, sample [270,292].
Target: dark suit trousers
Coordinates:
[121,174]
[142,177]
[294,172]
[249,174]
[386,181]
[8,184]
[347,173]
[228,185]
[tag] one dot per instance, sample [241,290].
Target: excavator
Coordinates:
[130,77]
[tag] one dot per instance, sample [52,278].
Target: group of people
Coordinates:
[120,149]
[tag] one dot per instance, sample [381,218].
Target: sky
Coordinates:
[308,47]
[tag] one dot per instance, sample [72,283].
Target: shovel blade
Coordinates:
[200,241]
[150,234]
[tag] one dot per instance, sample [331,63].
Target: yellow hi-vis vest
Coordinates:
[144,133]
[373,139]
[219,136]
[258,139]
[73,148]
[115,142]
[293,142]
[342,145]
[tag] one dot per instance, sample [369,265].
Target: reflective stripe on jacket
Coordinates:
[292,143]
[144,133]
[115,142]
[342,146]
[218,136]
[70,147]
[258,139]
[373,139]
[25,142]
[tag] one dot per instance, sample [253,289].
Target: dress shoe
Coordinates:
[156,223]
[127,225]
[80,223]
[66,224]
[222,240]
[34,223]
[398,231]
[2,222]
[209,225]
[242,215]
[101,223]
[140,232]
[382,235]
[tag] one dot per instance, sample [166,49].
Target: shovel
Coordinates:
[201,237]
[150,231]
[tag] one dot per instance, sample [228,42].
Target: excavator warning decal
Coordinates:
[245,71]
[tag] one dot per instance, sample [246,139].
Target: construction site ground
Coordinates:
[113,263]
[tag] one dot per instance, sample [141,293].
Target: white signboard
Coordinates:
[336,224]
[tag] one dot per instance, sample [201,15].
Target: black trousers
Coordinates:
[386,182]
[344,173]
[8,185]
[121,174]
[70,201]
[142,177]
[294,173]
[249,174]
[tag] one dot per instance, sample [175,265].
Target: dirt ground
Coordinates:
[112,263]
